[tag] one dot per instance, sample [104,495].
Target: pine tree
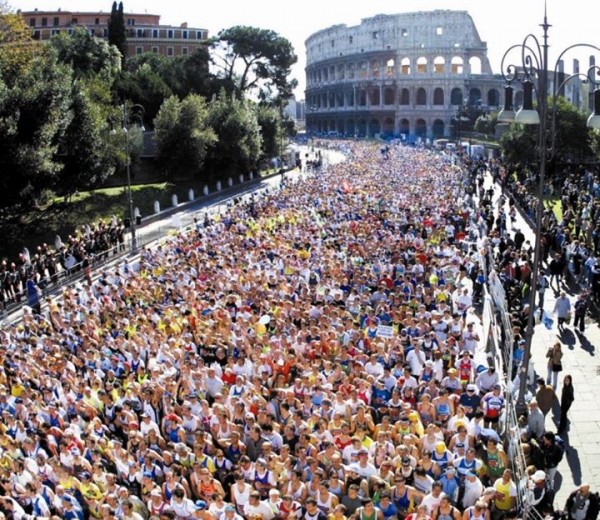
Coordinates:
[117,34]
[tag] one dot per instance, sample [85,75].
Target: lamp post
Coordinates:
[532,71]
[130,115]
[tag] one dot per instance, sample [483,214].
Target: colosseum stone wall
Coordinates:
[409,75]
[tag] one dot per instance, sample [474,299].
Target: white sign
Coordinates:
[385,331]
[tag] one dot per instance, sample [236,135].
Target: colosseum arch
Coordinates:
[404,126]
[405,97]
[438,96]
[375,67]
[331,100]
[439,65]
[350,128]
[405,66]
[421,97]
[374,97]
[493,97]
[361,127]
[420,128]
[475,65]
[351,71]
[363,70]
[389,95]
[390,68]
[422,65]
[362,98]
[457,65]
[474,96]
[374,127]
[341,72]
[437,128]
[339,99]
[456,96]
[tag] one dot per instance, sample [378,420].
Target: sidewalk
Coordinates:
[582,458]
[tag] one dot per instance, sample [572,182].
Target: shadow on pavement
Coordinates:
[567,337]
[585,343]
[573,459]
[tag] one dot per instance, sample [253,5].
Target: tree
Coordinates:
[183,136]
[34,114]
[571,144]
[255,61]
[486,124]
[271,130]
[88,56]
[144,86]
[84,152]
[239,141]
[16,46]
[117,33]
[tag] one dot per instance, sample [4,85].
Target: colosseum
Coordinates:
[406,75]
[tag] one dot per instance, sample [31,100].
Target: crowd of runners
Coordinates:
[312,354]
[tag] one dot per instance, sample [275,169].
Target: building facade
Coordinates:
[144,32]
[406,75]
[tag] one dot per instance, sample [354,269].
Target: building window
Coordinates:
[439,30]
[55,21]
[351,39]
[44,22]
[55,32]
[32,22]
[130,21]
[332,43]
[170,33]
[404,32]
[375,35]
[140,33]
[184,51]
[36,35]
[154,33]
[139,50]
[185,35]
[169,51]
[199,35]
[97,21]
[74,21]
[105,32]
[155,50]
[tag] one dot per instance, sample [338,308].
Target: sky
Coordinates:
[500,23]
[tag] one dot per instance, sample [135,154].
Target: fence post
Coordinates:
[156,206]
[191,195]
[174,201]
[219,188]
[205,190]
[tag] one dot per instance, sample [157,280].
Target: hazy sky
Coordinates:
[500,23]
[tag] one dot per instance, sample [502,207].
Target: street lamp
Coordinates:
[533,73]
[130,115]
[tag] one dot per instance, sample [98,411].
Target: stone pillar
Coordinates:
[156,206]
[174,201]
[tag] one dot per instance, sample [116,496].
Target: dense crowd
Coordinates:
[570,243]
[311,354]
[50,263]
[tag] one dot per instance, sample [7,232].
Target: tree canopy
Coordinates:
[572,142]
[117,32]
[183,135]
[255,62]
